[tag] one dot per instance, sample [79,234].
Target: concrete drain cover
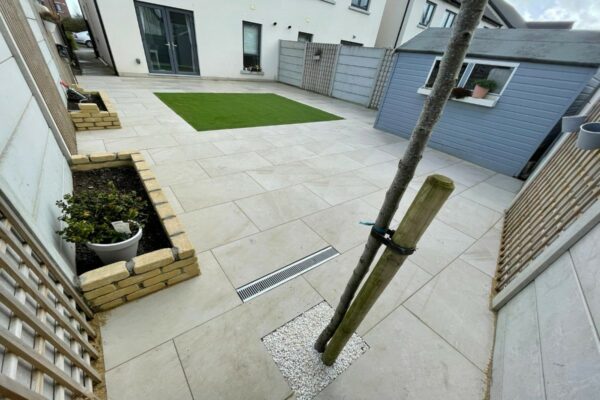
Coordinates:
[291,347]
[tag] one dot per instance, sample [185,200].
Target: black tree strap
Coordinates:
[384,236]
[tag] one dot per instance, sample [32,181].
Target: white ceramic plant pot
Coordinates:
[121,251]
[572,123]
[589,136]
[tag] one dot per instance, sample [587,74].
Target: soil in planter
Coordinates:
[125,179]
[92,98]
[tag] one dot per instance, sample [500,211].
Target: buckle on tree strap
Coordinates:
[384,236]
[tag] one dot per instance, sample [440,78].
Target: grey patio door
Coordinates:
[169,39]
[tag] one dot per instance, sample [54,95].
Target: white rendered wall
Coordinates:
[218,27]
[33,172]
[391,21]
[89,12]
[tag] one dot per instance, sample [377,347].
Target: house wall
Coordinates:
[501,138]
[88,8]
[33,171]
[394,16]
[547,336]
[218,28]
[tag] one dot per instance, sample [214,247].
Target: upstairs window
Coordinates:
[362,4]
[305,37]
[474,70]
[427,13]
[449,19]
[349,43]
[251,45]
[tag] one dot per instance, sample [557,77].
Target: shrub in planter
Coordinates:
[482,87]
[108,222]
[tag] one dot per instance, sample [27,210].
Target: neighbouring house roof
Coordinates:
[513,19]
[488,14]
[550,46]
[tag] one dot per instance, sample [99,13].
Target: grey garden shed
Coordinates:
[541,75]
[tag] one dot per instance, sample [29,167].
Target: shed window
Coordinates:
[362,4]
[449,19]
[251,45]
[474,70]
[427,13]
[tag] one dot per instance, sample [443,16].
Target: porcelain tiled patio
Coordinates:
[256,199]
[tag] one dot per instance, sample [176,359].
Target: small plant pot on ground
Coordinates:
[572,123]
[120,251]
[589,136]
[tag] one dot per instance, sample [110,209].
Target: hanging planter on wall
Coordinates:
[318,54]
[572,123]
[589,136]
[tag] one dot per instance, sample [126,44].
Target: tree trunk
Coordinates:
[434,192]
[467,20]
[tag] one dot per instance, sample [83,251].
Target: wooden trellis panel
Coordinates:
[318,74]
[384,76]
[567,185]
[45,348]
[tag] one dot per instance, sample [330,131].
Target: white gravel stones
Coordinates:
[291,346]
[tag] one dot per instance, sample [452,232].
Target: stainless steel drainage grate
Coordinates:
[282,275]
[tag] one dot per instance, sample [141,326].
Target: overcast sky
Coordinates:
[585,13]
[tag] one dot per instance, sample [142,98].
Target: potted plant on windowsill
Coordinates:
[482,87]
[108,222]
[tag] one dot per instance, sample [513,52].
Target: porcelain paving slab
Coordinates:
[340,225]
[466,173]
[213,191]
[379,174]
[490,196]
[145,323]
[178,172]
[332,164]
[273,208]
[181,153]
[468,216]
[370,156]
[279,176]
[439,246]
[217,225]
[284,155]
[325,147]
[139,143]
[462,317]
[340,188]
[407,361]
[242,145]
[231,164]
[225,358]
[252,257]
[483,254]
[155,375]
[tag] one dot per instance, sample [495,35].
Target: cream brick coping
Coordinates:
[89,117]
[115,284]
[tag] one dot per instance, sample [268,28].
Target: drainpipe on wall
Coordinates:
[402,23]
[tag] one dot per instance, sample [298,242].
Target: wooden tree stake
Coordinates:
[427,203]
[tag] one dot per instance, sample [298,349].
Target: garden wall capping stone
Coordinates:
[89,117]
[116,284]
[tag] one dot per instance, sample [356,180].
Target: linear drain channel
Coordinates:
[282,275]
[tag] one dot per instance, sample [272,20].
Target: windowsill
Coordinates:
[329,1]
[489,100]
[421,26]
[359,10]
[260,73]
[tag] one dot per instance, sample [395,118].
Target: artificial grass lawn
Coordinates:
[208,111]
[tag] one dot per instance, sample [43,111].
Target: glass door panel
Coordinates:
[155,37]
[182,41]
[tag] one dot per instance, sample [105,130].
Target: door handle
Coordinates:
[168,44]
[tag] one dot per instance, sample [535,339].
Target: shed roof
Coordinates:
[550,46]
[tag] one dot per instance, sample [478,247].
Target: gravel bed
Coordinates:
[291,347]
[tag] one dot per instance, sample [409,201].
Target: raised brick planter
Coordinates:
[90,117]
[115,284]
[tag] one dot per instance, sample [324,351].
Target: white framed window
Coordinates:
[472,70]
[362,4]
[449,18]
[427,13]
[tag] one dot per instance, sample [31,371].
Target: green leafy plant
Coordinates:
[487,84]
[89,213]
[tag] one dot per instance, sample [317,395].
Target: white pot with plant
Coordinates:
[108,222]
[483,87]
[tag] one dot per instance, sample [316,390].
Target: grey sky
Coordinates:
[585,13]
[74,7]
